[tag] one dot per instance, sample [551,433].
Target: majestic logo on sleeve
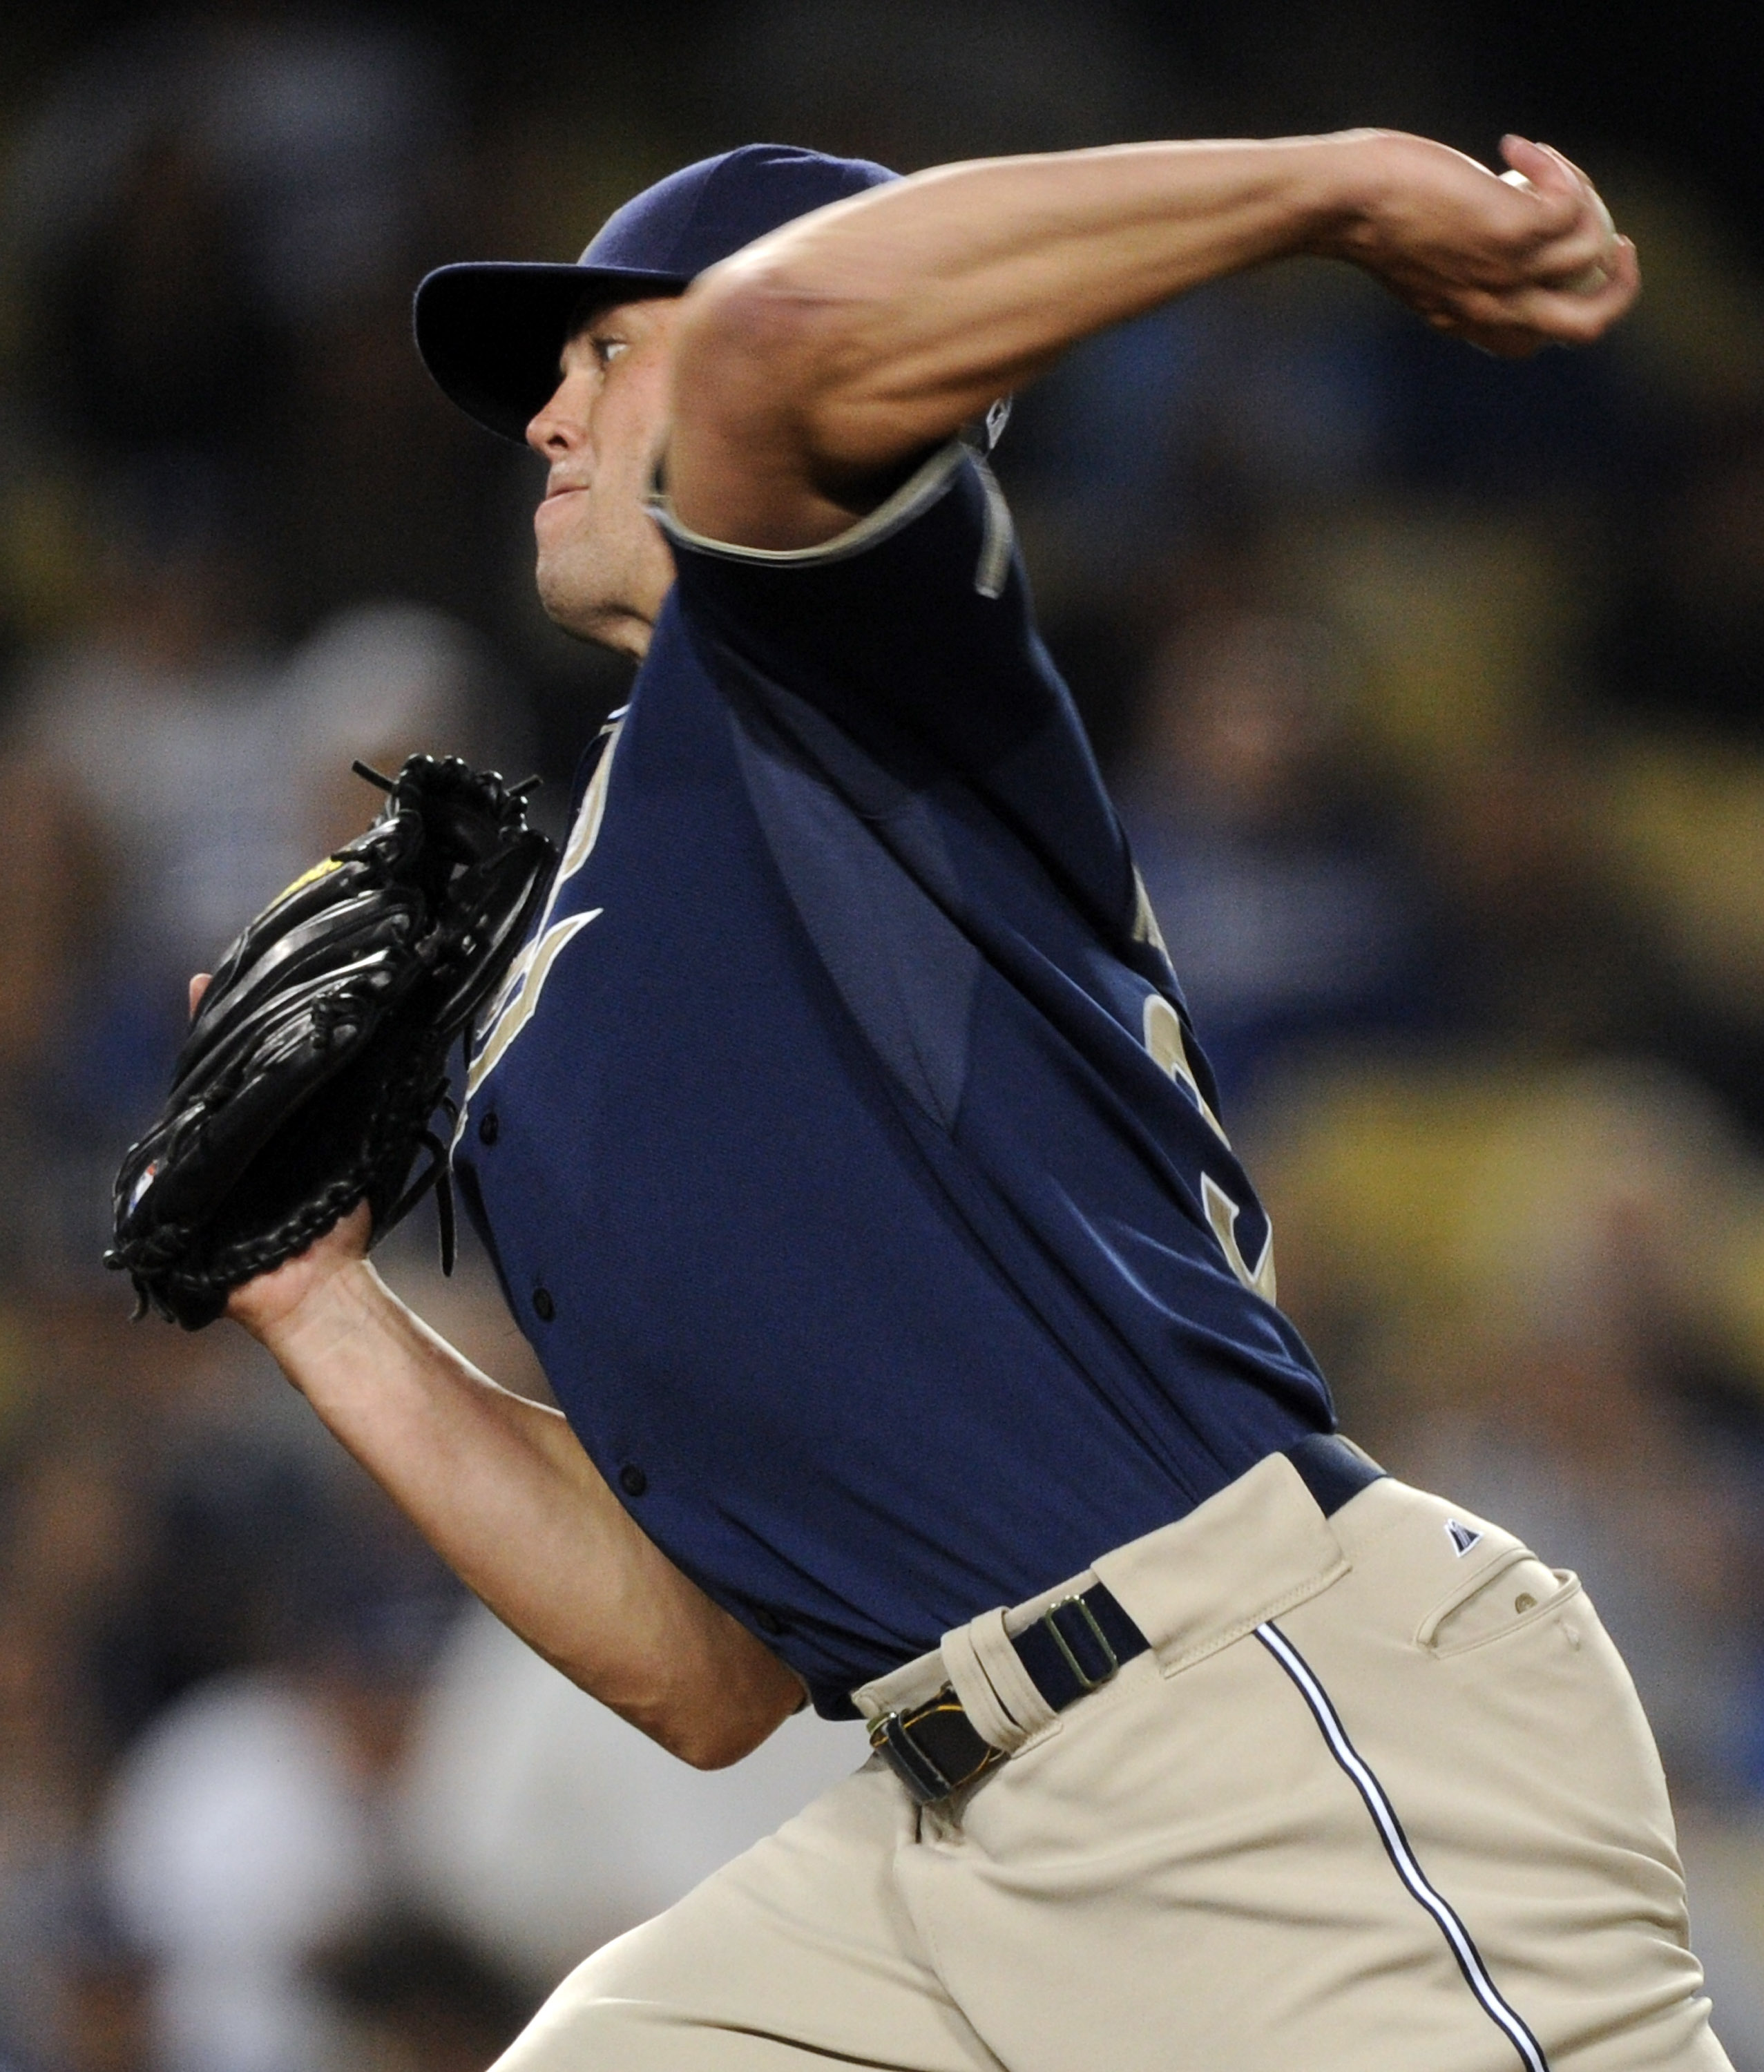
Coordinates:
[513,1004]
[1165,1041]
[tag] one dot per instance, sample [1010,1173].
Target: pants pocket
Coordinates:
[1517,1592]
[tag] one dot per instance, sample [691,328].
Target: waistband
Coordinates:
[1255,1548]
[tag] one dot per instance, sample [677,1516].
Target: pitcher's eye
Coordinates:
[607,350]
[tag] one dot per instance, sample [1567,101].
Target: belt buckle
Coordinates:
[891,1737]
[1086,1682]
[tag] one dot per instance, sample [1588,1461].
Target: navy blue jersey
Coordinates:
[839,1137]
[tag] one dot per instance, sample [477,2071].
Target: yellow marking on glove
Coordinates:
[306,877]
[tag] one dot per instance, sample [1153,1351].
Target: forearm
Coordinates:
[874,329]
[503,1491]
[964,282]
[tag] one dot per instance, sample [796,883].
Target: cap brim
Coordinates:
[491,332]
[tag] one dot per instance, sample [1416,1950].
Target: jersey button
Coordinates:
[632,1480]
[489,1129]
[543,1305]
[767,1620]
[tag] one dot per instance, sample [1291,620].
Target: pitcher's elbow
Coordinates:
[714,1743]
[759,333]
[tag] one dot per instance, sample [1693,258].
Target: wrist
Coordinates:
[329,1311]
[1350,178]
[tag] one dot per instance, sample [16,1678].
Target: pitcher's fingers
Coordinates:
[1590,220]
[1519,152]
[1581,264]
[1625,284]
[1567,316]
[199,985]
[1515,325]
[1579,172]
[1554,191]
[1587,245]
[1592,200]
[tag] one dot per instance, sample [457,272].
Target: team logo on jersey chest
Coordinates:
[517,1000]
[1165,1041]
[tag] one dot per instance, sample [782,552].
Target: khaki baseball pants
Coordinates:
[1380,1796]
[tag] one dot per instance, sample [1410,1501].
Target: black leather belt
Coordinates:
[1075,1645]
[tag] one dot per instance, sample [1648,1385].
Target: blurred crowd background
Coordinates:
[1430,687]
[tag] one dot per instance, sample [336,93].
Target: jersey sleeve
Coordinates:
[913,634]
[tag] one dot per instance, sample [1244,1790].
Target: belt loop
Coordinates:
[988,1675]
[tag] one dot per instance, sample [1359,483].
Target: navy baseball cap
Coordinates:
[490,331]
